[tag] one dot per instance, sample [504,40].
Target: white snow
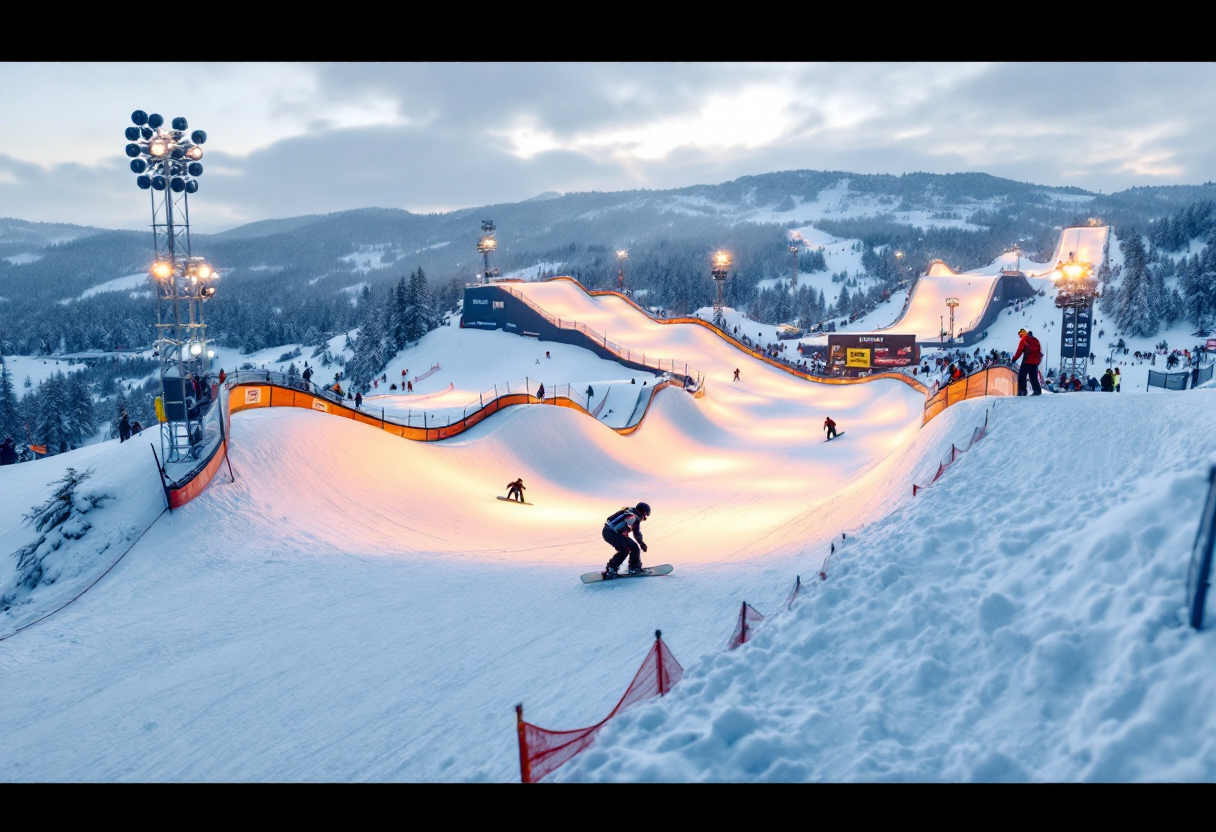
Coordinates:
[118,284]
[23,258]
[1020,620]
[37,368]
[355,606]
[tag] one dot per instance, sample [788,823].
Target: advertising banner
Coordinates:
[1078,326]
[854,354]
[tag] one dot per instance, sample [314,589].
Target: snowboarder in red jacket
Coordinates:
[1033,356]
[829,426]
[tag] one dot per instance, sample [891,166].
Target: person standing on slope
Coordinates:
[829,426]
[1030,363]
[736,378]
[516,490]
[616,534]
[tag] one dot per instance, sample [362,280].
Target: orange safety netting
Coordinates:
[743,628]
[542,751]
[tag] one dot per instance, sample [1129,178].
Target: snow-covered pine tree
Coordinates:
[84,420]
[401,312]
[421,318]
[10,420]
[1136,305]
[53,426]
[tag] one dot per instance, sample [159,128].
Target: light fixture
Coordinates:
[162,269]
[196,348]
[158,147]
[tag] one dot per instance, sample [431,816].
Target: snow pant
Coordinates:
[624,547]
[123,434]
[516,493]
[831,431]
[1030,371]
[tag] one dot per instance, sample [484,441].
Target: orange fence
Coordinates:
[994,381]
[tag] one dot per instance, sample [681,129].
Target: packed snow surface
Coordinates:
[1020,620]
[357,606]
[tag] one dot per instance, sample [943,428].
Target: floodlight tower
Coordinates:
[953,304]
[1077,290]
[719,271]
[485,245]
[166,164]
[621,257]
[794,279]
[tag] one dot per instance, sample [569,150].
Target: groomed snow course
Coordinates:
[1021,620]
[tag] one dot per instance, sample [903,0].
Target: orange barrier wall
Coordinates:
[995,381]
[911,382]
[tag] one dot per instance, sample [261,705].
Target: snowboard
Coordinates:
[837,436]
[513,500]
[647,572]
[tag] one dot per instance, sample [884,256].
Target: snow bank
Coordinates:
[1021,620]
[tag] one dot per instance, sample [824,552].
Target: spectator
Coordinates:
[124,428]
[358,399]
[136,427]
[736,378]
[540,392]
[1029,345]
[1108,381]
[8,451]
[1118,379]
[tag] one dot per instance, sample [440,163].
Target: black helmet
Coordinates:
[643,509]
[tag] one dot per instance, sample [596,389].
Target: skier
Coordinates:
[736,378]
[124,428]
[516,489]
[1030,363]
[829,426]
[616,534]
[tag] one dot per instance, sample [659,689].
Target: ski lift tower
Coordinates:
[1076,291]
[485,245]
[953,304]
[719,271]
[166,164]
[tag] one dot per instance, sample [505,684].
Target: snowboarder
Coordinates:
[8,451]
[736,378]
[1030,363]
[124,428]
[829,426]
[616,534]
[516,490]
[590,392]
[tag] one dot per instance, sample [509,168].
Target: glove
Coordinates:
[643,545]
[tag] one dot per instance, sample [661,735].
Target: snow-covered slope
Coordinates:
[1020,620]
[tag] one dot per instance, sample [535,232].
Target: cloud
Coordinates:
[288,139]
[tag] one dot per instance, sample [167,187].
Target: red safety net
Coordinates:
[743,627]
[542,751]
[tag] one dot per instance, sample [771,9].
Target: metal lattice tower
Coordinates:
[719,272]
[167,166]
[1076,295]
[485,245]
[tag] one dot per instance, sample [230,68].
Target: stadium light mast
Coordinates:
[166,164]
[621,257]
[719,270]
[485,245]
[1076,291]
[953,304]
[794,280]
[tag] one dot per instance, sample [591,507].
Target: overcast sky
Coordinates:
[291,139]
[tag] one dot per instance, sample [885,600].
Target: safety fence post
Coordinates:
[525,775]
[658,654]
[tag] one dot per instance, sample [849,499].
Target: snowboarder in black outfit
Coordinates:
[516,490]
[829,426]
[616,534]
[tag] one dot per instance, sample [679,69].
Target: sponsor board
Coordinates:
[317,404]
[855,353]
[857,358]
[253,395]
